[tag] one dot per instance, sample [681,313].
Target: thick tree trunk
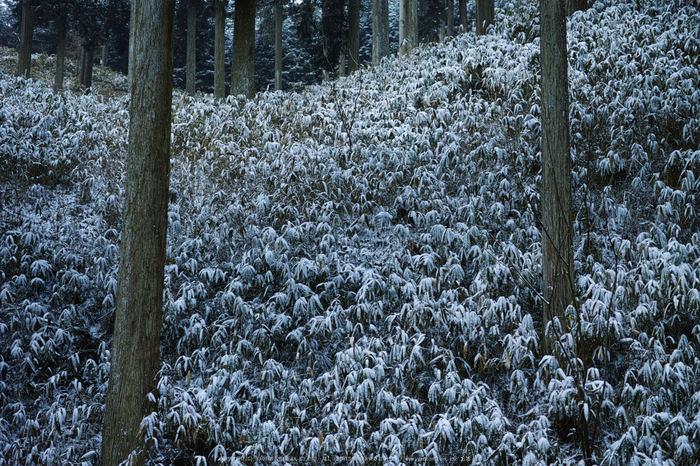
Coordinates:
[26,35]
[191,77]
[463,16]
[279,22]
[557,225]
[61,40]
[219,48]
[243,63]
[484,16]
[408,25]
[450,20]
[380,30]
[354,35]
[138,316]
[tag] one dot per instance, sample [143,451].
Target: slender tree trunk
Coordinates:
[138,316]
[103,59]
[557,224]
[279,54]
[380,30]
[191,78]
[341,65]
[354,35]
[26,35]
[219,48]
[450,6]
[61,39]
[484,16]
[86,74]
[463,16]
[243,63]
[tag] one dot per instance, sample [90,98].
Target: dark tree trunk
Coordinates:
[557,224]
[354,35]
[219,49]
[139,306]
[243,63]
[87,65]
[380,30]
[573,6]
[484,16]
[279,22]
[26,36]
[61,39]
[103,59]
[450,20]
[463,16]
[191,78]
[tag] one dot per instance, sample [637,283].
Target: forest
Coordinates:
[354,265]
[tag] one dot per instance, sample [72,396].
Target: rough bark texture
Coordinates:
[450,17]
[191,77]
[61,40]
[26,35]
[463,15]
[138,316]
[353,35]
[279,22]
[408,25]
[380,30]
[219,49]
[484,16]
[557,234]
[243,63]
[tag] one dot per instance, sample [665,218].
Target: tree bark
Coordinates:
[103,59]
[279,54]
[484,16]
[61,40]
[463,16]
[573,6]
[408,25]
[243,63]
[450,17]
[219,49]
[26,35]
[86,71]
[380,30]
[354,35]
[191,77]
[557,222]
[139,305]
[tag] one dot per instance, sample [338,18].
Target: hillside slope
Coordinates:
[354,270]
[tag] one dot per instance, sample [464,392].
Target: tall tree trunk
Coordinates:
[341,65]
[557,224]
[463,16]
[26,35]
[86,72]
[408,25]
[61,39]
[354,35]
[279,54]
[243,63]
[450,6]
[219,48]
[484,16]
[380,30]
[139,306]
[191,77]
[103,59]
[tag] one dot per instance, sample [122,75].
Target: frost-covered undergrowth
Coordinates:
[354,270]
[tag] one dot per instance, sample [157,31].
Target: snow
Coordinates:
[353,270]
